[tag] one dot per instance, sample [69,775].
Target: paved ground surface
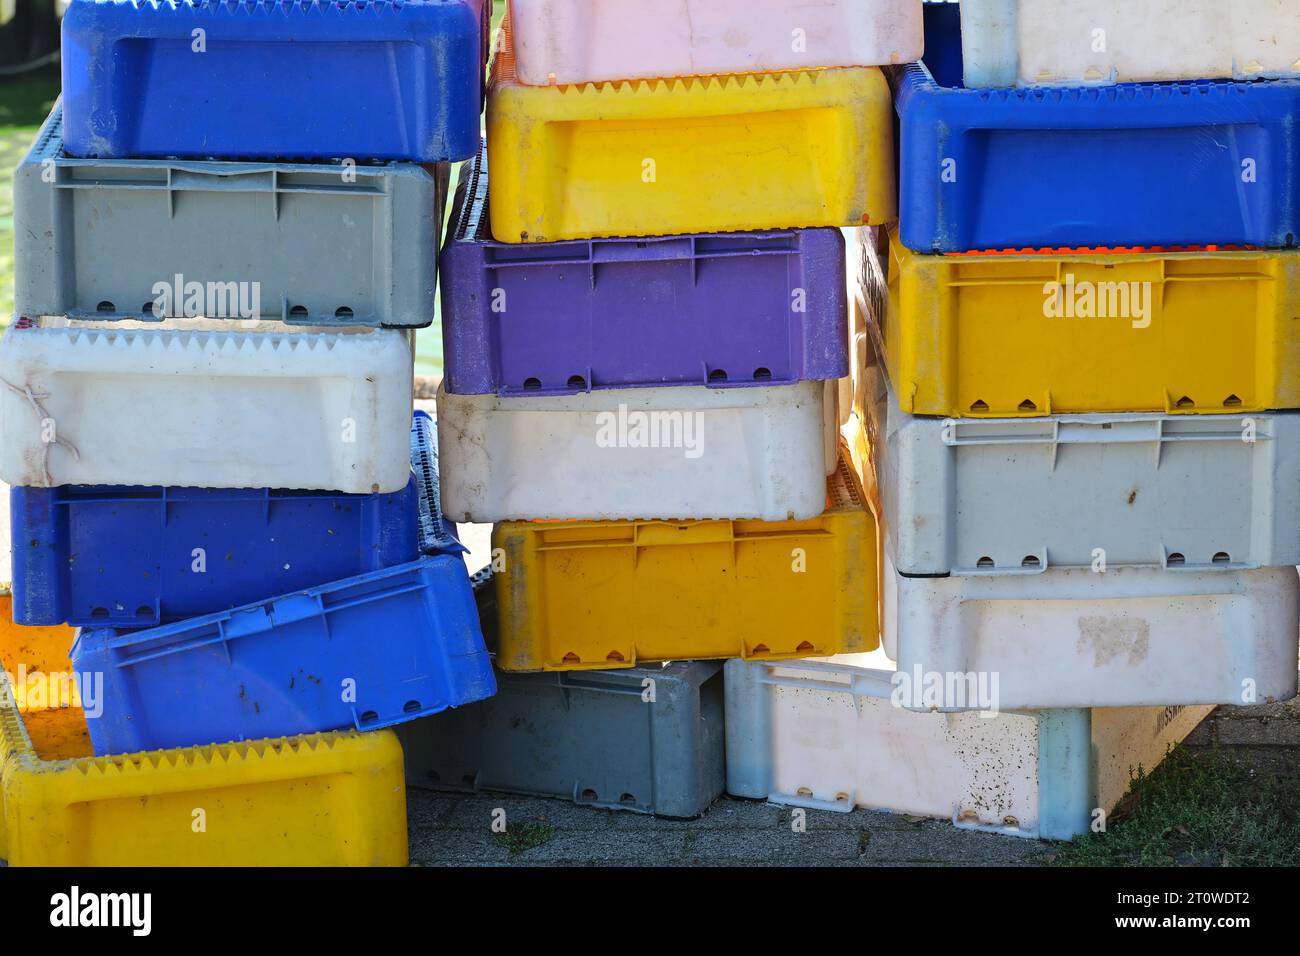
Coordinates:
[455,829]
[450,829]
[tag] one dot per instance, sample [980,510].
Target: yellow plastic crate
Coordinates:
[971,335]
[578,595]
[694,155]
[320,800]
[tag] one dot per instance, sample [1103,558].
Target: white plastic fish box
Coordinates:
[825,735]
[1089,42]
[1021,495]
[87,405]
[681,452]
[1130,637]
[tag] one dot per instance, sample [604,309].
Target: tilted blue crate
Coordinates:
[97,556]
[362,79]
[1143,164]
[369,651]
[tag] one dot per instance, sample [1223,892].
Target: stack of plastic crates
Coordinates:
[226,238]
[1075,395]
[645,325]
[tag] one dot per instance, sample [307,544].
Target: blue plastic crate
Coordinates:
[96,556]
[269,79]
[370,651]
[1140,164]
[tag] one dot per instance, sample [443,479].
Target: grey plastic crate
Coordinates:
[325,244]
[588,736]
[1020,496]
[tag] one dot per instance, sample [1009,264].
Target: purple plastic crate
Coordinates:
[722,309]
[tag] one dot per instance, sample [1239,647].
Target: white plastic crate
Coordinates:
[825,735]
[587,41]
[1081,42]
[1016,496]
[107,406]
[1131,637]
[761,452]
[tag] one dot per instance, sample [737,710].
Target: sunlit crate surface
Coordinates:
[365,652]
[1029,335]
[826,735]
[607,594]
[1128,637]
[672,452]
[307,243]
[733,309]
[319,800]
[1093,166]
[1067,42]
[583,41]
[311,411]
[366,79]
[705,154]
[1024,495]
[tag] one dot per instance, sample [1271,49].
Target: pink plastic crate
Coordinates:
[590,41]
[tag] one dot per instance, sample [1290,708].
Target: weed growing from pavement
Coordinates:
[519,837]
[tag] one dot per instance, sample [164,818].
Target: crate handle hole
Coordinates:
[803,792]
[144,610]
[615,656]
[99,612]
[343,312]
[1030,561]
[979,405]
[1176,558]
[718,375]
[411,706]
[1028,406]
[369,717]
[298,312]
[589,794]
[106,306]
[577,381]
[532,384]
[761,649]
[762,374]
[627,799]
[1184,402]
[147,308]
[572,658]
[984,562]
[1232,401]
[1222,557]
[1012,822]
[805,646]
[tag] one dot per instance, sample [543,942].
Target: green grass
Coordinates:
[519,837]
[25,101]
[1204,810]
